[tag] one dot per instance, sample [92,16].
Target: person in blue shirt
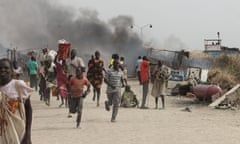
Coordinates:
[33,71]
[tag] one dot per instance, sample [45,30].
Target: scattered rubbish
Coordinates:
[186,109]
[230,99]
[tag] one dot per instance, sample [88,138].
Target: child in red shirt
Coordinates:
[77,85]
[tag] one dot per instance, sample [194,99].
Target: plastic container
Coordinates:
[64,48]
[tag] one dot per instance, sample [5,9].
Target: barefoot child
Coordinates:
[78,94]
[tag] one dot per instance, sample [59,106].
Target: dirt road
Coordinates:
[203,125]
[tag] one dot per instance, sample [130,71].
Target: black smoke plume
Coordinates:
[35,24]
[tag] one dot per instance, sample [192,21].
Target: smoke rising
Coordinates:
[34,24]
[174,43]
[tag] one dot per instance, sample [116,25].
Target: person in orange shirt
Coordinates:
[77,85]
[145,78]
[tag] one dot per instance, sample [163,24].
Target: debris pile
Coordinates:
[226,74]
[229,100]
[222,87]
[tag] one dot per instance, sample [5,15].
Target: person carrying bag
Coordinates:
[15,107]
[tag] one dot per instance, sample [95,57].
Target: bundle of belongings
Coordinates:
[129,98]
[184,87]
[203,92]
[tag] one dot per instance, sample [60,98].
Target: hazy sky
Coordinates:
[176,23]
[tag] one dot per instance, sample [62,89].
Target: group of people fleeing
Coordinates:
[73,81]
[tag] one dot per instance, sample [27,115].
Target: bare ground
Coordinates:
[203,125]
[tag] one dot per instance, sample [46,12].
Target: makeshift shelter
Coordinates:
[180,59]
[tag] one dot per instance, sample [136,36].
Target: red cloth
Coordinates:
[63,92]
[61,75]
[61,80]
[205,92]
[64,51]
[145,71]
